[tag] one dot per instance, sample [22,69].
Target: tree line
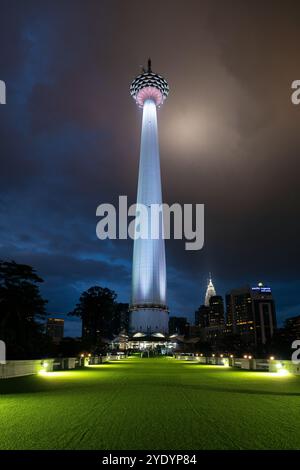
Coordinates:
[23,315]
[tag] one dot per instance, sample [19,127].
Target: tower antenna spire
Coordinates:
[149,65]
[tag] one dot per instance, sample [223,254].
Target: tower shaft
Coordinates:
[149,313]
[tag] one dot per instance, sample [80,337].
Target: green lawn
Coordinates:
[151,404]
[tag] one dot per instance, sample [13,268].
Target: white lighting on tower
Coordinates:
[149,313]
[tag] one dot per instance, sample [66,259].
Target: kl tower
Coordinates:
[149,313]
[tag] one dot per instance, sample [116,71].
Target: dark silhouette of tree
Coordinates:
[21,308]
[121,318]
[280,345]
[70,347]
[97,308]
[232,343]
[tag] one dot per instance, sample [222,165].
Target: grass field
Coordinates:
[151,404]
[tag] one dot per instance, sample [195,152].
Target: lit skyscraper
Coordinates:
[251,314]
[149,313]
[210,291]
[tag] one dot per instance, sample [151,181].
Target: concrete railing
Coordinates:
[115,357]
[268,365]
[30,367]
[279,366]
[95,360]
[22,368]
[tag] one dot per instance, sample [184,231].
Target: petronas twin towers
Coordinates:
[149,313]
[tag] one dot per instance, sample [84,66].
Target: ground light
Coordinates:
[52,375]
[44,369]
[281,371]
[43,372]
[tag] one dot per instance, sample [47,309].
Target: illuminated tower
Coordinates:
[210,291]
[149,313]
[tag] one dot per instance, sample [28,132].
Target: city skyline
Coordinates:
[190,316]
[229,139]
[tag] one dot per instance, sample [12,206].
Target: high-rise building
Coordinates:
[292,327]
[212,312]
[216,311]
[210,320]
[149,313]
[210,291]
[202,316]
[251,314]
[178,325]
[55,329]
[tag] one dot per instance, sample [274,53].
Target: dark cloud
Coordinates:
[229,138]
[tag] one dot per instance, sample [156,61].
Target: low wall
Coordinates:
[94,360]
[30,367]
[185,357]
[11,369]
[278,366]
[115,357]
[266,365]
[22,368]
[66,363]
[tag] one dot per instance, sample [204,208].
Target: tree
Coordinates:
[97,309]
[121,318]
[21,308]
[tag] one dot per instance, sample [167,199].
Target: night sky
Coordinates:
[229,138]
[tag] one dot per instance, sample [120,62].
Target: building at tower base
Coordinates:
[150,320]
